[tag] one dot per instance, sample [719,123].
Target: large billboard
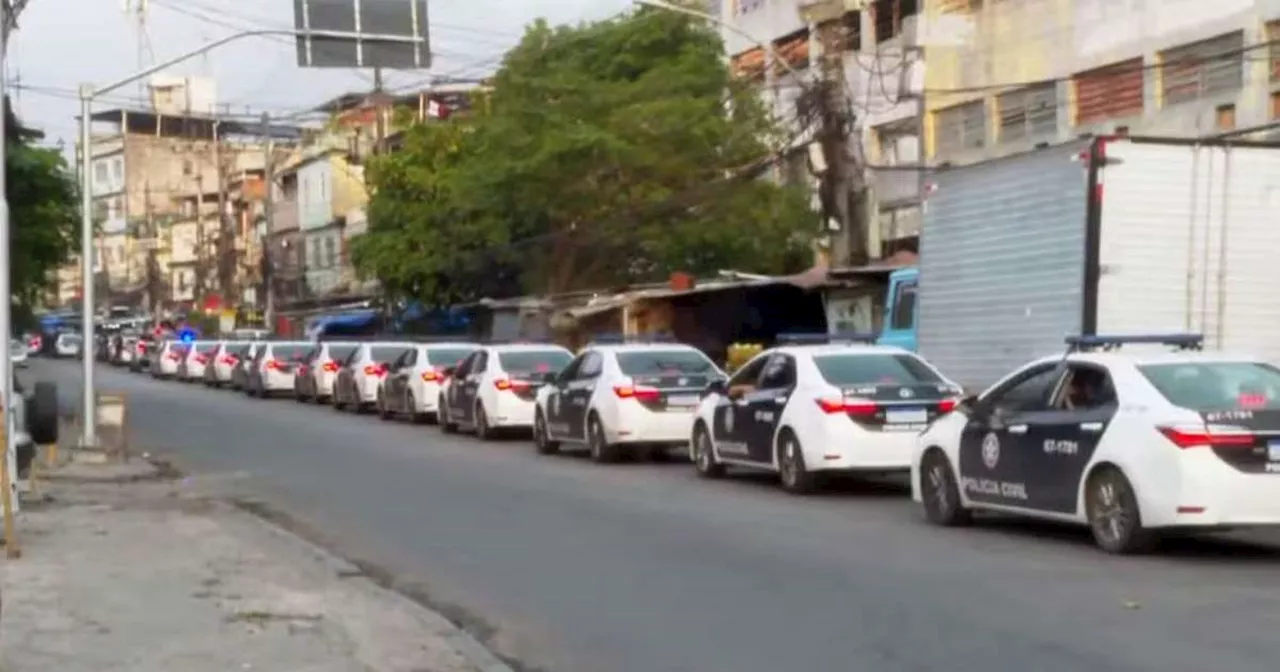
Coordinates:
[383,34]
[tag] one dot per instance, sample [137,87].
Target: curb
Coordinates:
[461,640]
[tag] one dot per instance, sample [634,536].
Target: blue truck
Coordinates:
[1099,235]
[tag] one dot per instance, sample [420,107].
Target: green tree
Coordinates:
[606,153]
[43,210]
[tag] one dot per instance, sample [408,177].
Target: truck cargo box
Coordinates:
[1099,236]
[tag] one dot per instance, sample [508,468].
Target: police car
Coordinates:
[819,405]
[617,397]
[1128,442]
[494,387]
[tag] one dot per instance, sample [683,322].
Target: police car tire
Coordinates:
[384,413]
[703,455]
[541,439]
[411,408]
[602,451]
[796,478]
[935,466]
[1131,537]
[446,425]
[483,431]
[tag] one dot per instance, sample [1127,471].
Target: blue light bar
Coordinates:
[1115,341]
[821,338]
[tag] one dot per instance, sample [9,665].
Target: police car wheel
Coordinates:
[793,473]
[704,456]
[446,425]
[411,409]
[384,412]
[483,431]
[541,439]
[601,450]
[939,492]
[1114,518]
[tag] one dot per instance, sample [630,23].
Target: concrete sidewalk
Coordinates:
[135,577]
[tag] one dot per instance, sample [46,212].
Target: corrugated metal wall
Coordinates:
[1002,263]
[1112,92]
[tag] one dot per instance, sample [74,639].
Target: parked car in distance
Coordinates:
[68,344]
[411,388]
[356,387]
[314,379]
[168,359]
[493,388]
[271,371]
[240,371]
[199,354]
[222,362]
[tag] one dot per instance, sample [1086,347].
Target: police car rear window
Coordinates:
[539,361]
[872,369]
[206,348]
[1216,386]
[386,353]
[340,353]
[653,363]
[289,351]
[447,356]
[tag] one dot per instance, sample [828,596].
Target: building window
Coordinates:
[960,127]
[117,170]
[1273,38]
[1207,68]
[794,52]
[1275,105]
[1225,117]
[1111,92]
[749,65]
[889,15]
[1028,113]
[100,173]
[187,167]
[330,252]
[744,6]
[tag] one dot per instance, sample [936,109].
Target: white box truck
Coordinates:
[1096,236]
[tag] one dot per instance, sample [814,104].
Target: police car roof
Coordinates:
[821,349]
[522,346]
[1142,356]
[642,347]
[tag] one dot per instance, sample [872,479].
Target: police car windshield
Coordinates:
[657,362]
[1217,386]
[871,369]
[541,361]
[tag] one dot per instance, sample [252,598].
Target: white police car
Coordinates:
[616,397]
[804,409]
[1128,443]
[494,387]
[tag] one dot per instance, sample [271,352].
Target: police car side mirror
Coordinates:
[972,405]
[714,387]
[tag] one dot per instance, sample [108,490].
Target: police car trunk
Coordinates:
[1127,235]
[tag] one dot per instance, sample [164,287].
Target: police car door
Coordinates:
[578,394]
[729,426]
[765,406]
[557,406]
[1062,440]
[994,446]
[469,387]
[454,397]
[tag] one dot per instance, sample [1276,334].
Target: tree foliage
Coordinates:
[606,153]
[43,211]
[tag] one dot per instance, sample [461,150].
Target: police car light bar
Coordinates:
[620,339]
[801,338]
[1113,342]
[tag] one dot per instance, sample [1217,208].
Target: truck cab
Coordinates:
[900,310]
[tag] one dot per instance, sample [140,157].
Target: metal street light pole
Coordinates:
[6,291]
[89,410]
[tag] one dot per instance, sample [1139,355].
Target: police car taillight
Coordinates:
[1214,436]
[947,405]
[850,406]
[638,392]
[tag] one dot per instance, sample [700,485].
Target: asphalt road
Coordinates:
[575,567]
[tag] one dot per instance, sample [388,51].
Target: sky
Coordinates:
[61,44]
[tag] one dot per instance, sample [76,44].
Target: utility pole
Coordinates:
[836,121]
[200,242]
[226,244]
[268,214]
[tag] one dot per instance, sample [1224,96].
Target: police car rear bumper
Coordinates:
[1215,494]
[512,411]
[851,448]
[637,424]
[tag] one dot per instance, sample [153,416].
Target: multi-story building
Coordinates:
[1018,73]
[329,187]
[881,70]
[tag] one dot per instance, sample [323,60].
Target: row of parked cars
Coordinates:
[1128,442]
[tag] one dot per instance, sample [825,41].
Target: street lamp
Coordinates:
[88,431]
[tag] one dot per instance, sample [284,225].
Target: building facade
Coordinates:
[1018,73]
